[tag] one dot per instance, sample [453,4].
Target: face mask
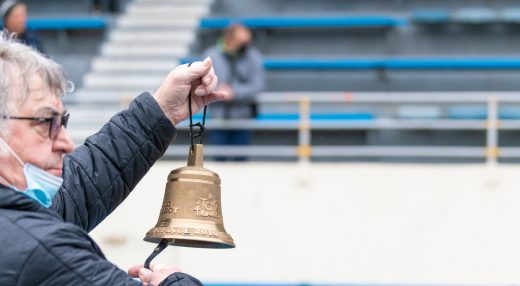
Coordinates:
[242,49]
[41,186]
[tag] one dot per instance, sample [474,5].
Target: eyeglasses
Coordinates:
[56,121]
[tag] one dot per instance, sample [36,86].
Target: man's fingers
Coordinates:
[198,69]
[210,77]
[157,267]
[145,275]
[216,96]
[202,90]
[209,83]
[134,270]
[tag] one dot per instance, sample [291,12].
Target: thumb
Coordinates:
[145,275]
[198,69]
[134,270]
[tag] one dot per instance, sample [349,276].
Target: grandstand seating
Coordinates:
[433,48]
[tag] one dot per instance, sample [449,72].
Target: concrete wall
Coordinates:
[341,223]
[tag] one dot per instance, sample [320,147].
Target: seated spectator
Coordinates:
[14,17]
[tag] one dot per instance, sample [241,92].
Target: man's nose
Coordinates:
[63,142]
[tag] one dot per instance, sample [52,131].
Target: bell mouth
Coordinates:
[183,242]
[191,233]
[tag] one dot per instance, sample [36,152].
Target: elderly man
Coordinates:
[51,195]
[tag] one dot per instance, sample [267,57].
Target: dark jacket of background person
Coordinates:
[51,246]
[244,72]
[31,39]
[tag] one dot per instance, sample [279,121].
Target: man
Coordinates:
[51,195]
[14,17]
[239,67]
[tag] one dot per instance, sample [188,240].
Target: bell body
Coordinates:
[191,213]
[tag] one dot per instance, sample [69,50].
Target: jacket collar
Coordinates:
[11,199]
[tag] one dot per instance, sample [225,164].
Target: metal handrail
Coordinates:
[304,150]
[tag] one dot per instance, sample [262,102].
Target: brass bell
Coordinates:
[191,213]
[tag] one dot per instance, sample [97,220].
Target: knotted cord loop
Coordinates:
[201,126]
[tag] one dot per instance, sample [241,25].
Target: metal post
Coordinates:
[304,149]
[304,130]
[492,150]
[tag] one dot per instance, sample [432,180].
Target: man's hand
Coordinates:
[153,276]
[230,93]
[172,95]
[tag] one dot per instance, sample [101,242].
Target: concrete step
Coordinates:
[84,115]
[175,46]
[167,42]
[98,80]
[132,65]
[144,50]
[181,36]
[167,11]
[90,97]
[171,2]
[150,23]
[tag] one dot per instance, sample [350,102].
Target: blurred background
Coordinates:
[384,147]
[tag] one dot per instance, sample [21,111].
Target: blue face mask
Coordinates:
[41,186]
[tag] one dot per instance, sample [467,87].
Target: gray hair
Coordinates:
[18,66]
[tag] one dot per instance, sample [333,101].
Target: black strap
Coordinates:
[198,124]
[158,249]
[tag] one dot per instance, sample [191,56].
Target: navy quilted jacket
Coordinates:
[42,246]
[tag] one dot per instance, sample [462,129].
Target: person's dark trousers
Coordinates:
[113,5]
[230,137]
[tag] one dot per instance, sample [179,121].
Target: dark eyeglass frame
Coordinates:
[56,121]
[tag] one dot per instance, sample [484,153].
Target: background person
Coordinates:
[239,67]
[14,17]
[52,195]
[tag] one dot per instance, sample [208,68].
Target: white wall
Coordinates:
[341,223]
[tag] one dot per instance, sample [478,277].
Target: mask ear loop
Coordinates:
[6,147]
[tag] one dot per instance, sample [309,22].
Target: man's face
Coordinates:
[30,139]
[240,38]
[16,22]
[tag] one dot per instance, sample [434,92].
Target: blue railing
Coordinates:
[460,63]
[306,22]
[82,23]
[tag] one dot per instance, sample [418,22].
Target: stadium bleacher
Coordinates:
[422,47]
